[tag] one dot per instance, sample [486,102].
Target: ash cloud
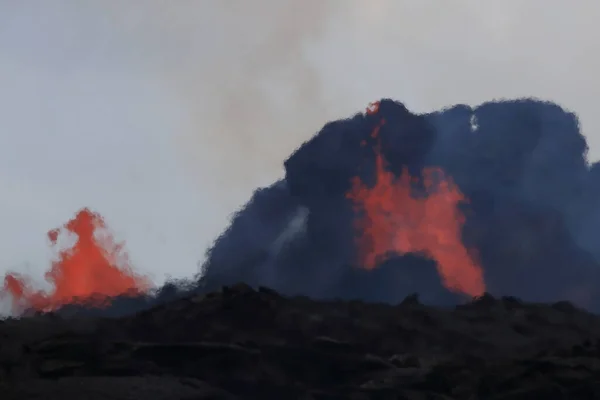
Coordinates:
[530,216]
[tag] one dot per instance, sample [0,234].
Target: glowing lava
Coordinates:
[391,219]
[91,272]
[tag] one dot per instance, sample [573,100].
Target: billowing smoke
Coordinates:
[450,204]
[530,206]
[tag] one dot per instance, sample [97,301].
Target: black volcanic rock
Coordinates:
[241,343]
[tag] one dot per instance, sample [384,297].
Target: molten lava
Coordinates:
[391,219]
[91,272]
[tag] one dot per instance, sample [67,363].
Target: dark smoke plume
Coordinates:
[522,165]
[531,215]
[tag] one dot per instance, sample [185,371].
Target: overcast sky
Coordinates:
[164,115]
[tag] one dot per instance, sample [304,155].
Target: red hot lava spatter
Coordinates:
[392,220]
[92,271]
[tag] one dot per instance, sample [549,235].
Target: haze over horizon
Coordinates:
[129,108]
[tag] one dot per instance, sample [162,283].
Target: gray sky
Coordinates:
[165,115]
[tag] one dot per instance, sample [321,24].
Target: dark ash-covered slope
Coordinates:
[244,344]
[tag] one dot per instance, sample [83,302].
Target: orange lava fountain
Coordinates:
[392,220]
[91,272]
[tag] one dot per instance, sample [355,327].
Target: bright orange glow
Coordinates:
[92,271]
[391,219]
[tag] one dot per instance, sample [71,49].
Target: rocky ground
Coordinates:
[239,343]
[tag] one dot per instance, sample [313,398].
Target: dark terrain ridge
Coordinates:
[245,343]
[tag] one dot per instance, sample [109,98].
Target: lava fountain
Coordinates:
[393,219]
[93,270]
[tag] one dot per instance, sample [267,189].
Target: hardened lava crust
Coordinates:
[254,343]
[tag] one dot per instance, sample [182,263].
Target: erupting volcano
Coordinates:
[391,218]
[498,198]
[95,269]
